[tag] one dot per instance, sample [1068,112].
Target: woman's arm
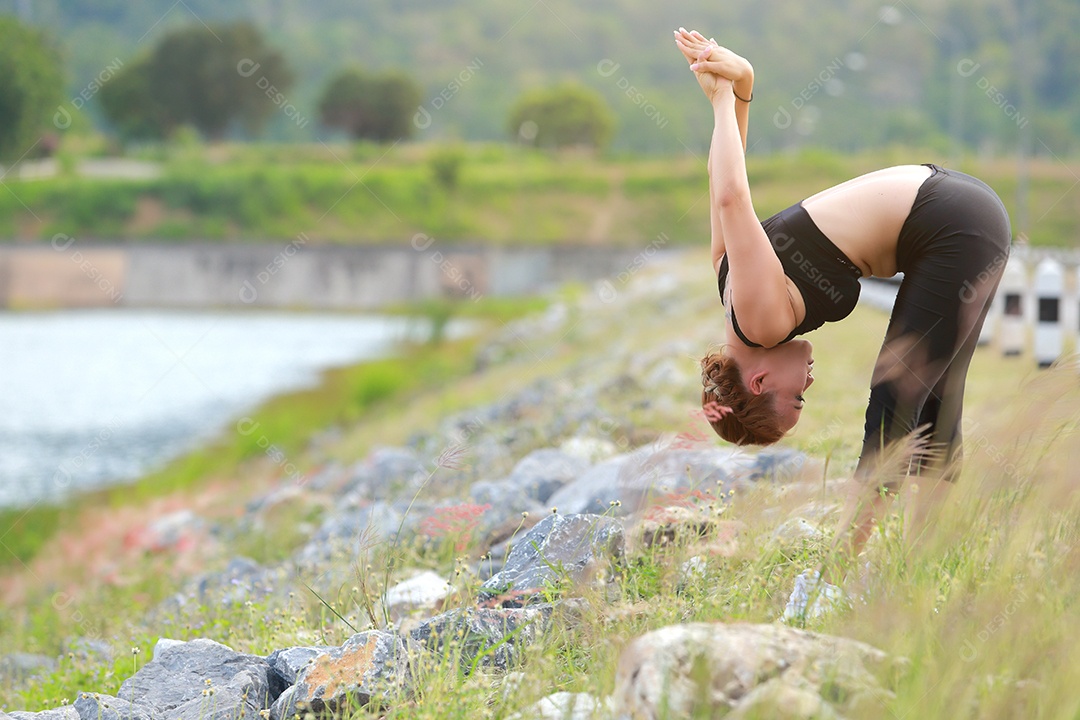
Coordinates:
[697,49]
[756,277]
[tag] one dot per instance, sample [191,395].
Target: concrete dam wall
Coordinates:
[297,274]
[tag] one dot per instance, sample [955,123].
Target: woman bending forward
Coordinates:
[785,276]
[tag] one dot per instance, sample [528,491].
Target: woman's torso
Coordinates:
[864,215]
[862,218]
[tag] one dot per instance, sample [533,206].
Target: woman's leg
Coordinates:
[957,243]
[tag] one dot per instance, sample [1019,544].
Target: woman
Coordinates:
[947,232]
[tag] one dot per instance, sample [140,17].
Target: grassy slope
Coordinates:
[504,195]
[984,607]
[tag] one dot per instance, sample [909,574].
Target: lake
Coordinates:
[97,397]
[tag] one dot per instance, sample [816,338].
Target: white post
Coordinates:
[1049,286]
[986,335]
[1012,289]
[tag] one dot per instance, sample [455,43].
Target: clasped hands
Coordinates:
[716,68]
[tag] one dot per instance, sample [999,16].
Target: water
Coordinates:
[96,397]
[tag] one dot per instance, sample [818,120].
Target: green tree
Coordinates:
[130,103]
[31,87]
[209,78]
[371,107]
[562,116]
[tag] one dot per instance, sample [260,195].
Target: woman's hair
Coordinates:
[752,419]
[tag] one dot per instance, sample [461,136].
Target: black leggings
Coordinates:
[952,250]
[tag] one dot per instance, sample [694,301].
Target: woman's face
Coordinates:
[789,375]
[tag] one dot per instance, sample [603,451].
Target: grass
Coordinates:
[498,194]
[982,606]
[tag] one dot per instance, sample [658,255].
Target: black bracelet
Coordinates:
[739,98]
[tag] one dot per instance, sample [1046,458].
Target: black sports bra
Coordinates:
[826,278]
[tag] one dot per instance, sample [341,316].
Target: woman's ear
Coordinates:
[756,383]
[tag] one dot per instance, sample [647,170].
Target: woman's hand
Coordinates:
[707,59]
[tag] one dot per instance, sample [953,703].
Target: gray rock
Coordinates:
[645,475]
[388,472]
[203,680]
[542,472]
[369,665]
[560,548]
[505,498]
[64,712]
[422,591]
[21,666]
[566,706]
[287,663]
[488,637]
[594,490]
[94,706]
[89,648]
[778,464]
[711,669]
[164,644]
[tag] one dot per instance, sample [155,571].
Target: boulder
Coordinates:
[423,591]
[64,712]
[558,549]
[714,669]
[494,635]
[542,472]
[22,666]
[94,706]
[369,665]
[388,472]
[646,475]
[203,680]
[566,706]
[287,663]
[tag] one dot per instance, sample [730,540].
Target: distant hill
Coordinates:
[838,73]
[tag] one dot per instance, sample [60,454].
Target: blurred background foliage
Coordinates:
[851,75]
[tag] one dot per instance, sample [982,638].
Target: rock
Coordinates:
[93,706]
[640,477]
[203,680]
[88,648]
[712,669]
[64,712]
[423,591]
[496,635]
[595,490]
[22,666]
[164,644]
[287,663]
[778,464]
[542,472]
[778,700]
[565,706]
[590,450]
[796,530]
[506,498]
[388,472]
[369,665]
[560,548]
[663,526]
[177,530]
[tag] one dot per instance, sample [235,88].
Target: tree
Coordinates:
[562,116]
[31,86]
[372,107]
[209,78]
[131,105]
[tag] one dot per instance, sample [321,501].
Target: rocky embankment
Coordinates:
[555,488]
